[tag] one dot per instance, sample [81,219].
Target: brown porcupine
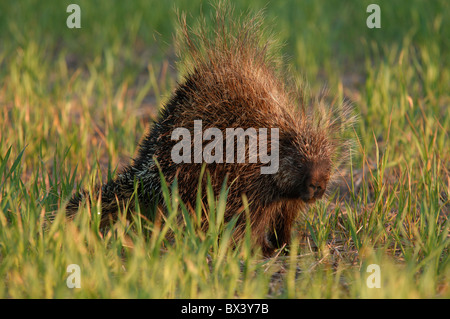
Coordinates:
[233,79]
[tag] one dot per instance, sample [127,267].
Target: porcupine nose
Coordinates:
[316,190]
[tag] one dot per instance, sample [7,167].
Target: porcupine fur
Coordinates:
[234,78]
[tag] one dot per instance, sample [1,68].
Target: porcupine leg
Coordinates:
[281,232]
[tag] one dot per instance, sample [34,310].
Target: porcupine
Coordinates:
[233,79]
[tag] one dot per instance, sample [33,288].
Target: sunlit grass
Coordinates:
[74,104]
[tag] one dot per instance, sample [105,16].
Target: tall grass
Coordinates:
[75,102]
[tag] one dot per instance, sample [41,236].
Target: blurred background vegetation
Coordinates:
[122,44]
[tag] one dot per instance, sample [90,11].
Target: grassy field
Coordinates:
[75,102]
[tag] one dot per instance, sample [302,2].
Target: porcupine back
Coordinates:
[233,78]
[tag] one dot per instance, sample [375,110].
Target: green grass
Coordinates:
[74,104]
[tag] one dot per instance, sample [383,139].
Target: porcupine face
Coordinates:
[300,176]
